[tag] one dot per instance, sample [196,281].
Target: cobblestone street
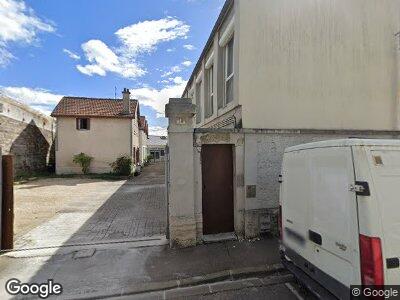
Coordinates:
[72,211]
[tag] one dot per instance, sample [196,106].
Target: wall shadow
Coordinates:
[32,151]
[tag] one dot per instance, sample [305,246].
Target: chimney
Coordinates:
[126,96]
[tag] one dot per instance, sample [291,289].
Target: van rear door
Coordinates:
[384,163]
[319,206]
[333,214]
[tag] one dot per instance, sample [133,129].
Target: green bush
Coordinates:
[84,161]
[122,166]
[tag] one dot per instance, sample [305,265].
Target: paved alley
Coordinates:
[72,211]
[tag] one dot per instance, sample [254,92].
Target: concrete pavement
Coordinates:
[71,211]
[130,268]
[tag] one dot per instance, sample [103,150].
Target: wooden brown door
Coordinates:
[217,176]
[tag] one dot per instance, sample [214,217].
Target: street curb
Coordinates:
[147,287]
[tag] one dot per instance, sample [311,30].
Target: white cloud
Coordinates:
[40,99]
[157,99]
[18,24]
[102,60]
[189,47]
[136,39]
[187,63]
[71,54]
[176,69]
[143,37]
[171,50]
[158,130]
[5,56]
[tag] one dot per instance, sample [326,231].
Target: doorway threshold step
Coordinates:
[219,237]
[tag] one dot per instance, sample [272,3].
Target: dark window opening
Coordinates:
[83,124]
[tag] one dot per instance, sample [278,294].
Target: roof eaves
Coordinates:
[225,9]
[121,116]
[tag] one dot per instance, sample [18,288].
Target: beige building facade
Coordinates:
[157,147]
[275,74]
[104,129]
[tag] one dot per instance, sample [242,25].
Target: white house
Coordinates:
[104,129]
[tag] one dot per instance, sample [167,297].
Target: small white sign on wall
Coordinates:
[180,121]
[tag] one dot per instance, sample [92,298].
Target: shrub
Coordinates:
[122,166]
[84,161]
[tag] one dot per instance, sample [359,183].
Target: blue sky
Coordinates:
[88,47]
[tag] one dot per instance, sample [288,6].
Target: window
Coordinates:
[162,153]
[229,71]
[198,102]
[209,105]
[83,124]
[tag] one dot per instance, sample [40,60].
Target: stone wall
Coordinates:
[32,147]
[263,160]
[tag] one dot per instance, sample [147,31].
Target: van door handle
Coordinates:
[392,263]
[315,237]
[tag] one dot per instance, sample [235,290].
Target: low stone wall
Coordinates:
[32,147]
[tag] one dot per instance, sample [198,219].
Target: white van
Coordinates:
[340,213]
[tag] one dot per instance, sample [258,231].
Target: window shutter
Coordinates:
[88,124]
[77,123]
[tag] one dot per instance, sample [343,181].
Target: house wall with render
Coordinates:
[304,70]
[143,146]
[310,64]
[327,70]
[257,158]
[107,139]
[28,135]
[135,141]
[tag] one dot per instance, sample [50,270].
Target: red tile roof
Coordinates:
[143,125]
[92,107]
[142,122]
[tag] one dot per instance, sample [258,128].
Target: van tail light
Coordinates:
[280,222]
[371,261]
